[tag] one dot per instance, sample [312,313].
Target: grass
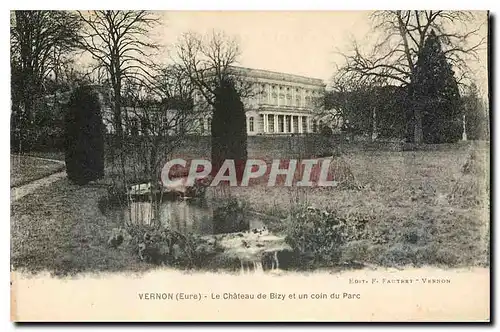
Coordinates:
[404,195]
[24,169]
[61,229]
[56,155]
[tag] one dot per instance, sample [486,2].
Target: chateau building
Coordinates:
[280,103]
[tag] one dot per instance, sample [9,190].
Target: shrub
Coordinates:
[325,238]
[162,246]
[84,145]
[319,236]
[229,217]
[472,187]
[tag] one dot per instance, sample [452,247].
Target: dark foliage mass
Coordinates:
[359,105]
[435,92]
[476,115]
[229,133]
[84,144]
[40,41]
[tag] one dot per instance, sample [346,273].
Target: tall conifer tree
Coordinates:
[229,132]
[84,141]
[435,92]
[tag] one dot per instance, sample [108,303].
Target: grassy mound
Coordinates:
[341,172]
[472,187]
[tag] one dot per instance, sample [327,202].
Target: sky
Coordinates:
[305,43]
[302,43]
[308,43]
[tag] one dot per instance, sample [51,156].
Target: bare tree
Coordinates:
[40,41]
[208,60]
[165,113]
[393,58]
[118,41]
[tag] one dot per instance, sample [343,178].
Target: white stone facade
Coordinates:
[280,103]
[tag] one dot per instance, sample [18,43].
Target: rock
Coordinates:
[115,241]
[176,185]
[177,252]
[142,248]
[118,237]
[205,249]
[154,253]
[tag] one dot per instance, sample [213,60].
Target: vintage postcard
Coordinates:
[264,166]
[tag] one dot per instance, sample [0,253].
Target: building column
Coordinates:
[248,124]
[278,95]
[308,123]
[276,124]
[284,123]
[265,123]
[301,125]
[292,121]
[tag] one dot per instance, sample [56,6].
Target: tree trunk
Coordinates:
[374,134]
[118,114]
[418,134]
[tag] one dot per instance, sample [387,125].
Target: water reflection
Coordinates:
[186,216]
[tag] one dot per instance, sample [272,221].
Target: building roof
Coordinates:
[261,73]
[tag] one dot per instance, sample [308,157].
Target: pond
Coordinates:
[185,216]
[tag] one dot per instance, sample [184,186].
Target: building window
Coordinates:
[250,124]
[263,95]
[295,123]
[282,96]
[202,126]
[270,120]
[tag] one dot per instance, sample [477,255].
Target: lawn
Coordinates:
[401,193]
[405,196]
[61,229]
[24,169]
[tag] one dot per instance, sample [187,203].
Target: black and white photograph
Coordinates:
[261,159]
